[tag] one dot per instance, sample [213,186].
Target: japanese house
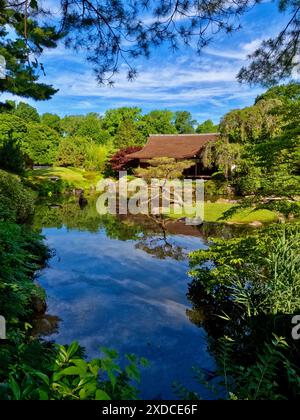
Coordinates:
[179,147]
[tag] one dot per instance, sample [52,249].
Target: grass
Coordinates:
[77,177]
[214,211]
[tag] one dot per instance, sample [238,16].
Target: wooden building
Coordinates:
[179,147]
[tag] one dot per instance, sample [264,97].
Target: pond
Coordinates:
[121,282]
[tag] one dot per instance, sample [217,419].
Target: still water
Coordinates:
[122,283]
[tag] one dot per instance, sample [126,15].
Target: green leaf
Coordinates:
[72,349]
[101,395]
[113,354]
[71,370]
[42,376]
[15,388]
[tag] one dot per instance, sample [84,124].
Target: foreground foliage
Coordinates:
[67,376]
[249,288]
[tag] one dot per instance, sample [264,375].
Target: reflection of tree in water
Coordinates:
[160,244]
[154,234]
[221,318]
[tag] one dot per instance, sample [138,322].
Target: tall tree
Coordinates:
[114,118]
[52,121]
[26,112]
[12,126]
[252,124]
[40,144]
[159,122]
[184,122]
[207,127]
[128,135]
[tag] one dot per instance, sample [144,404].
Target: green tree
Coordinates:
[12,158]
[70,124]
[90,126]
[128,134]
[52,121]
[163,168]
[40,144]
[26,112]
[207,127]
[222,155]
[160,122]
[12,126]
[114,118]
[72,151]
[16,201]
[252,124]
[284,93]
[184,122]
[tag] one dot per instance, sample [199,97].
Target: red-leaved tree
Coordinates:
[120,160]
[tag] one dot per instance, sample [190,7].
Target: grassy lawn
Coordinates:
[77,177]
[213,211]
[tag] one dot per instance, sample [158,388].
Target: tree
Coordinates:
[184,122]
[81,152]
[95,157]
[52,121]
[22,39]
[128,135]
[114,118]
[164,168]
[120,160]
[284,93]
[159,122]
[278,57]
[90,126]
[12,126]
[26,112]
[104,29]
[222,155]
[40,144]
[207,127]
[252,124]
[72,152]
[11,157]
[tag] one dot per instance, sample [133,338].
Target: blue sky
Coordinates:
[204,85]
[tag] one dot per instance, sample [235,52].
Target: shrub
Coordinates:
[21,253]
[69,377]
[16,201]
[12,158]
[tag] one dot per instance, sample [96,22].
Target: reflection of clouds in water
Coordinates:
[108,293]
[175,311]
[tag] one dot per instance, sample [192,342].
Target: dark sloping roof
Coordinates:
[178,146]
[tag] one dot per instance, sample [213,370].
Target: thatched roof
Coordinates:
[178,146]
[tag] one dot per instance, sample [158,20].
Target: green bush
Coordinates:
[48,188]
[12,158]
[249,290]
[21,253]
[16,201]
[69,377]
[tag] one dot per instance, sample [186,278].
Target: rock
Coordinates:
[45,325]
[39,303]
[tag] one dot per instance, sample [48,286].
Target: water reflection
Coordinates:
[121,282]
